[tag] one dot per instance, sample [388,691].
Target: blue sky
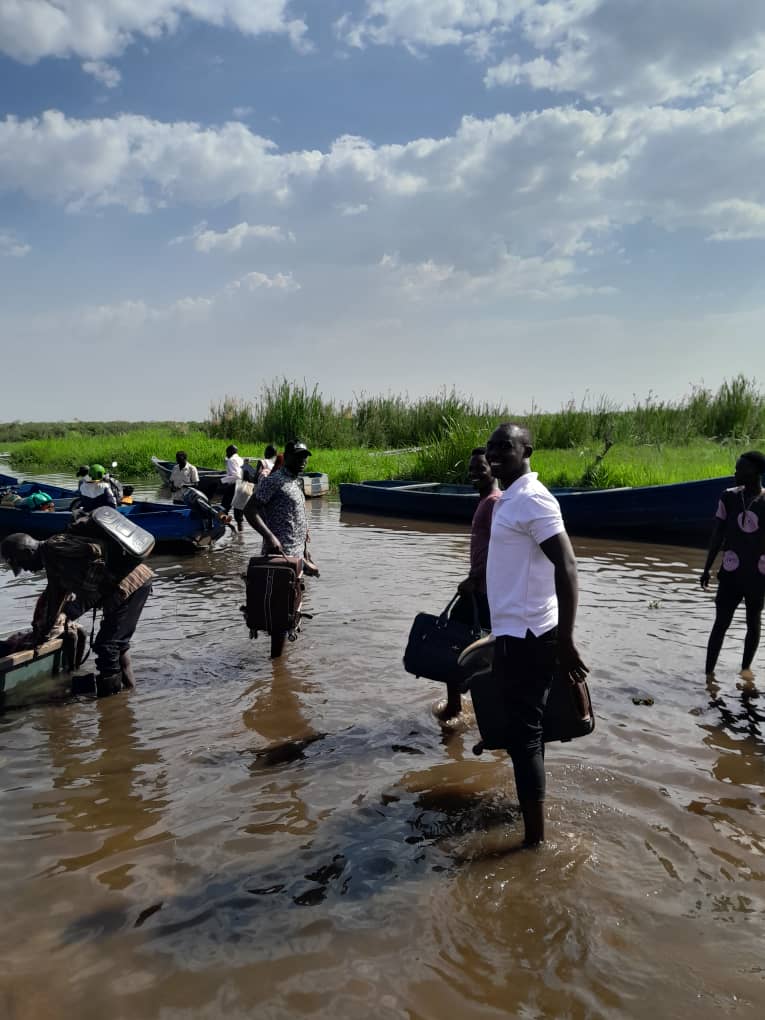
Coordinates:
[531,201]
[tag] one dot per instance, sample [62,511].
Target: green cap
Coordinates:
[96,471]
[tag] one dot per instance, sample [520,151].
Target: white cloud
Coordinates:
[532,278]
[552,184]
[426,23]
[134,314]
[744,221]
[284,282]
[103,72]
[234,238]
[11,247]
[33,29]
[242,112]
[612,50]
[348,209]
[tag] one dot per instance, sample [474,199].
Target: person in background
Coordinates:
[259,467]
[740,533]
[267,461]
[95,491]
[277,509]
[233,475]
[82,474]
[127,495]
[531,582]
[473,587]
[182,476]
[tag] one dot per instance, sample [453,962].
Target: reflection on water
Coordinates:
[245,838]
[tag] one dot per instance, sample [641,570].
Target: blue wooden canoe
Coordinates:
[681,513]
[32,673]
[170,524]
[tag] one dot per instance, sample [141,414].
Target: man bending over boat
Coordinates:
[98,577]
[277,508]
[533,592]
[740,533]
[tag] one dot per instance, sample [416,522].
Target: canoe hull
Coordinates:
[26,676]
[314,484]
[681,513]
[168,523]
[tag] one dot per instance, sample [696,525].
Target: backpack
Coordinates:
[96,552]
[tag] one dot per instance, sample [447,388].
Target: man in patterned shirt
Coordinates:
[277,508]
[740,533]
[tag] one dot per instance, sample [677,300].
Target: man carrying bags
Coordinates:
[532,589]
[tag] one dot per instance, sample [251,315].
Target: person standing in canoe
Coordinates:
[531,582]
[183,476]
[473,588]
[740,534]
[95,490]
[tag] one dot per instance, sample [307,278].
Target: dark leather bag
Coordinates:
[435,644]
[568,713]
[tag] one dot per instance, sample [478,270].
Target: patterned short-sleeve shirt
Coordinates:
[282,506]
[744,536]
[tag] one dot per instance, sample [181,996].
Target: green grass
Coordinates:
[21,431]
[653,441]
[638,465]
[446,459]
[133,452]
[443,460]
[286,410]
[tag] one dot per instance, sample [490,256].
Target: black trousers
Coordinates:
[523,670]
[117,628]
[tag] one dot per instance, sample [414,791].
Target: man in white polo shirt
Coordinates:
[532,587]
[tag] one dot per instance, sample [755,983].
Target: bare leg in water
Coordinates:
[126,666]
[451,708]
[752,639]
[723,620]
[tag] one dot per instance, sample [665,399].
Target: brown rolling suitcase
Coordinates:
[274,594]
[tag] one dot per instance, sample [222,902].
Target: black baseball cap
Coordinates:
[295,446]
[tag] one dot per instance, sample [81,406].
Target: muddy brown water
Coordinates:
[241,838]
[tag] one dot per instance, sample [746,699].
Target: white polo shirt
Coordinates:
[520,580]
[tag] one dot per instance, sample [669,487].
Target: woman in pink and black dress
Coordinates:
[740,533]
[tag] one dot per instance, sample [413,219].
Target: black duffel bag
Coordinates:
[568,712]
[435,644]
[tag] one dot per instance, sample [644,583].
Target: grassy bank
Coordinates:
[133,452]
[283,410]
[653,441]
[445,459]
[287,410]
